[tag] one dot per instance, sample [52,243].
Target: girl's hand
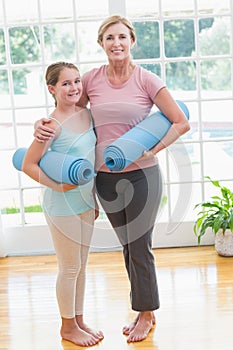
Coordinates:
[97,212]
[62,187]
[42,131]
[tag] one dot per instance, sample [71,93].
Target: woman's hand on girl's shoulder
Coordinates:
[43,130]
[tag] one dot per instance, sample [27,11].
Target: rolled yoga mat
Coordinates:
[143,136]
[60,167]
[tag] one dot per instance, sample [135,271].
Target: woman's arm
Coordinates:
[180,124]
[42,130]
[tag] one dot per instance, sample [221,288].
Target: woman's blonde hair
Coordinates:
[53,72]
[114,20]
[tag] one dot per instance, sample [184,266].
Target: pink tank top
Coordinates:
[116,109]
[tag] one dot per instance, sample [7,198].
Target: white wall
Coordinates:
[31,240]
[2,240]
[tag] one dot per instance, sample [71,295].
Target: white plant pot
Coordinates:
[224,243]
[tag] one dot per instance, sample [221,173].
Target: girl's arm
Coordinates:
[31,168]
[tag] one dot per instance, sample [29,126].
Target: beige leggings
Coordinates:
[71,238]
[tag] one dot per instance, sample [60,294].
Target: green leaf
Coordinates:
[217,214]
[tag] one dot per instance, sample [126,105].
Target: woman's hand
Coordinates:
[42,131]
[147,155]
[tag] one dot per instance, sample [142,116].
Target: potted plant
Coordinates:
[217,214]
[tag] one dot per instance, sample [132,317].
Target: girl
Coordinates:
[69,210]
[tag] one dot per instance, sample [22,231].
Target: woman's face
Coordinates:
[117,42]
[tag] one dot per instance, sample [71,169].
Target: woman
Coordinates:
[69,210]
[121,94]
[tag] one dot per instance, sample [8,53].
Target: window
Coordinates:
[187,43]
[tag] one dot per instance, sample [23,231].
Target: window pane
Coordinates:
[182,202]
[181,76]
[28,86]
[24,44]
[178,7]
[4,89]
[215,39]
[2,48]
[154,68]
[25,119]
[195,198]
[179,38]
[89,49]
[10,208]
[32,206]
[1,12]
[138,8]
[194,152]
[91,8]
[216,76]
[56,10]
[59,40]
[6,130]
[148,43]
[180,169]
[217,116]
[8,174]
[218,160]
[21,11]
[213,6]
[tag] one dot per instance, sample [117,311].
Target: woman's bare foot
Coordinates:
[143,325]
[128,329]
[72,332]
[95,333]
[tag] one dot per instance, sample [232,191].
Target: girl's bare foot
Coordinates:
[72,332]
[144,323]
[95,333]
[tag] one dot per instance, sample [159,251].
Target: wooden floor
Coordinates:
[196,292]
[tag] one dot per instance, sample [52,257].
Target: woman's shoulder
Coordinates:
[148,78]
[145,72]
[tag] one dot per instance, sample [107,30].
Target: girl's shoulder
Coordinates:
[54,123]
[56,126]
[85,111]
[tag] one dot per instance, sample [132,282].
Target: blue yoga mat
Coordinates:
[60,167]
[145,135]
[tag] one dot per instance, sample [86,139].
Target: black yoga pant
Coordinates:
[131,201]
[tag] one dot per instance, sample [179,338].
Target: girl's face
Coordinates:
[68,89]
[117,42]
